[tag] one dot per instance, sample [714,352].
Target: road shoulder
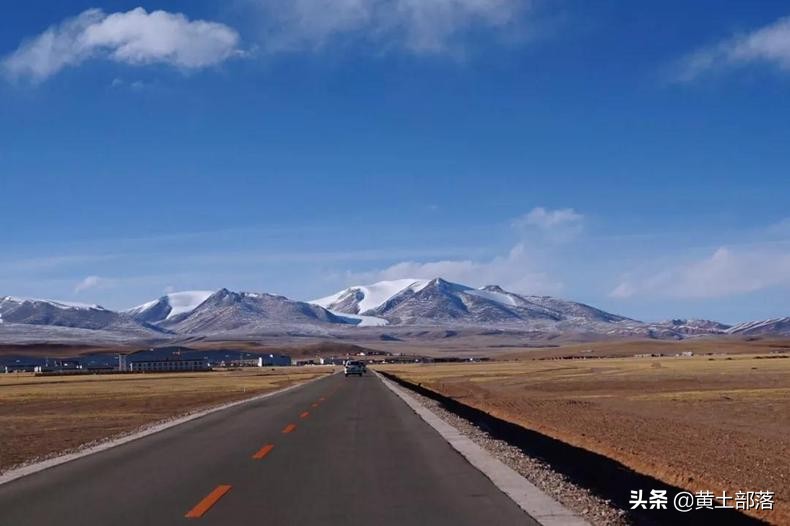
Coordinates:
[527,496]
[36,467]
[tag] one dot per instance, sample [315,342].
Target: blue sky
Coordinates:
[629,155]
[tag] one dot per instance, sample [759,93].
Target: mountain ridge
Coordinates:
[24,311]
[168,306]
[229,311]
[438,300]
[395,304]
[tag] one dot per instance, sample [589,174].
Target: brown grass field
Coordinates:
[702,423]
[41,416]
[628,348]
[499,347]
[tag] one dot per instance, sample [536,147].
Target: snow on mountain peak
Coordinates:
[775,326]
[186,301]
[493,288]
[55,303]
[418,302]
[495,293]
[169,305]
[369,297]
[437,300]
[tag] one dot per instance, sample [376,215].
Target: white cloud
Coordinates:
[557,225]
[517,270]
[135,37]
[420,26]
[514,271]
[769,44]
[135,85]
[727,272]
[92,282]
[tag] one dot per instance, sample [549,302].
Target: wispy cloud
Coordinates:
[135,85]
[769,44]
[134,37]
[515,271]
[92,282]
[727,272]
[418,26]
[557,225]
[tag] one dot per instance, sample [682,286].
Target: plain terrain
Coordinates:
[41,416]
[354,454]
[702,423]
[514,347]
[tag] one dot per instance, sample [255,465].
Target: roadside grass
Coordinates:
[703,423]
[42,416]
[626,349]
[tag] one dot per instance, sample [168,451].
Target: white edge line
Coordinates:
[534,501]
[30,469]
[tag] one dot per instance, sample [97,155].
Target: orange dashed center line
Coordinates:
[304,415]
[204,505]
[321,399]
[289,428]
[262,452]
[315,405]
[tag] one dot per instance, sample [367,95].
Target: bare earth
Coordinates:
[44,416]
[702,423]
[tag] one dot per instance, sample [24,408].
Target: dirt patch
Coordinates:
[697,423]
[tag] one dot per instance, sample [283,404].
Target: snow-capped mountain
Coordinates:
[692,326]
[427,302]
[249,312]
[25,311]
[364,298]
[772,327]
[401,304]
[169,306]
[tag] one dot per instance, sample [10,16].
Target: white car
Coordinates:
[357,368]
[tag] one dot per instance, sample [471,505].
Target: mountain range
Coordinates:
[31,312]
[436,301]
[397,304]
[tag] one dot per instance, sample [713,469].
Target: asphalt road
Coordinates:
[338,451]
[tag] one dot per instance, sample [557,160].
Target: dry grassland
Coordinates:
[701,423]
[628,348]
[44,416]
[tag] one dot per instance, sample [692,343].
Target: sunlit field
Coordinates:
[42,416]
[702,423]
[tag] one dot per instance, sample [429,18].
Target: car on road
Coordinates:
[354,367]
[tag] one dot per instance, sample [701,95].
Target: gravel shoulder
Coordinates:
[594,509]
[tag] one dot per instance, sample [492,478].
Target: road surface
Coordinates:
[338,451]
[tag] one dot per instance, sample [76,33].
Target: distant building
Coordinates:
[274,359]
[243,362]
[20,368]
[265,360]
[332,360]
[170,364]
[305,362]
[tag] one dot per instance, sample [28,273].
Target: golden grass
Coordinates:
[703,423]
[43,416]
[627,348]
